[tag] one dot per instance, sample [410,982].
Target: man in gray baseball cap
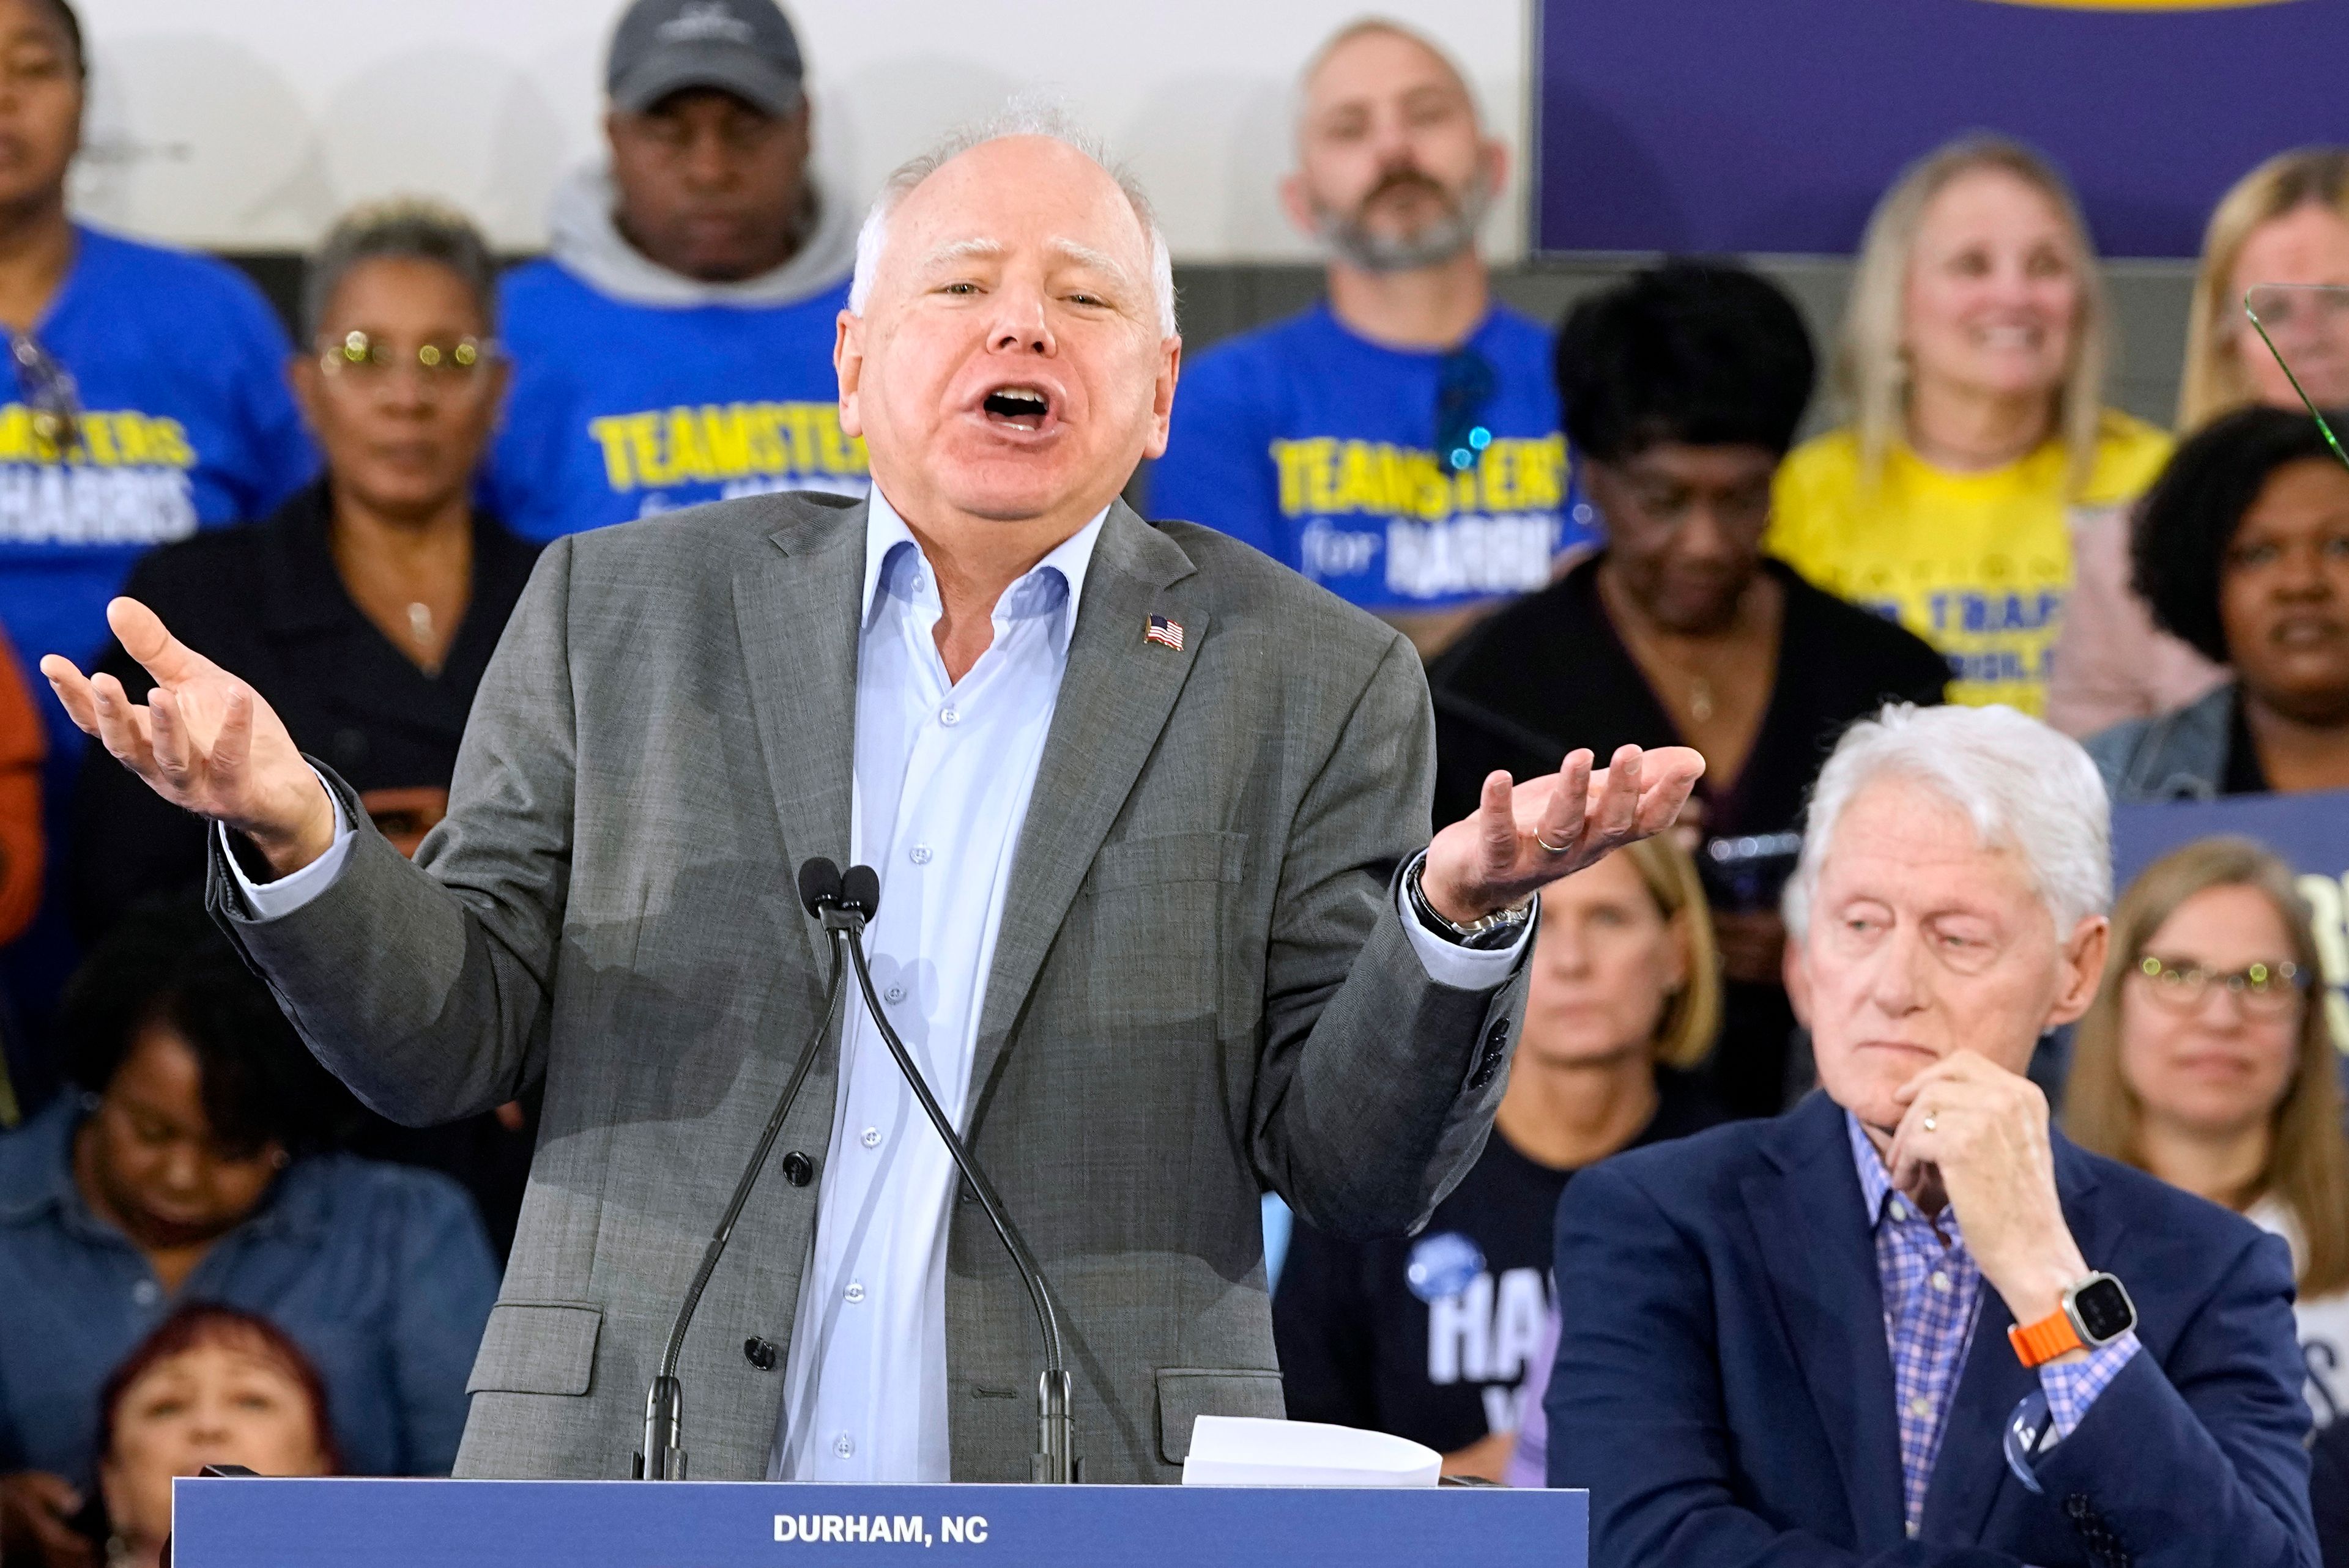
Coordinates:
[694,278]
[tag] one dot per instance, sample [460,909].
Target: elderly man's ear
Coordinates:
[848,363]
[2083,959]
[1162,397]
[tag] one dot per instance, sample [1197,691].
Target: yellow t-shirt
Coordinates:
[1977,565]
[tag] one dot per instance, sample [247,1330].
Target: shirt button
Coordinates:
[872,1138]
[145,1292]
[948,716]
[855,1292]
[1920,1405]
[894,994]
[844,1445]
[1941,1280]
[1900,1209]
[919,854]
[1913,1529]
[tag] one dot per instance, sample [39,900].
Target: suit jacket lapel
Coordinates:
[798,614]
[1116,696]
[1833,1309]
[1970,1475]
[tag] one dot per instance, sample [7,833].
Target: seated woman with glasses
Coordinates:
[2206,1060]
[1682,390]
[2241,550]
[366,609]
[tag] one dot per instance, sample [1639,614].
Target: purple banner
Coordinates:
[1732,126]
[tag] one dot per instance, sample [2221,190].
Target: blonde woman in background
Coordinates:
[1973,364]
[2286,221]
[2206,1060]
[1430,1336]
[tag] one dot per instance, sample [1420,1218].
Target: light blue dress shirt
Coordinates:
[943,770]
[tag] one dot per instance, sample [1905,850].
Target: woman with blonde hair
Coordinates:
[2206,1060]
[1429,1337]
[1973,366]
[2286,221]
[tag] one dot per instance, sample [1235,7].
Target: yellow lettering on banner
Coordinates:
[767,453]
[725,432]
[1541,474]
[1291,458]
[1322,474]
[1498,474]
[167,440]
[643,446]
[129,433]
[612,435]
[1358,478]
[795,417]
[98,438]
[15,434]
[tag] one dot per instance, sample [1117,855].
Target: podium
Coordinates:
[250,1522]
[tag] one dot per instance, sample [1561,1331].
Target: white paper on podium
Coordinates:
[1249,1451]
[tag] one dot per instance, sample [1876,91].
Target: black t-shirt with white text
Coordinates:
[1428,1336]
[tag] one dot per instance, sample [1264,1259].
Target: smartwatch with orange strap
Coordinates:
[2095,1313]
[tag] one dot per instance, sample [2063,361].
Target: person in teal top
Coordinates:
[675,344]
[1399,443]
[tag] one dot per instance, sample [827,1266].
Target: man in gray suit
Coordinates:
[1149,813]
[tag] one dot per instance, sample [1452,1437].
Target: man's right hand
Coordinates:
[204,740]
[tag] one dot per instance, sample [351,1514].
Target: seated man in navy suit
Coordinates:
[1906,1322]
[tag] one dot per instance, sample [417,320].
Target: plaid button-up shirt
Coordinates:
[1933,1293]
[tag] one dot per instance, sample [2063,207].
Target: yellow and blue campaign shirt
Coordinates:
[621,409]
[180,371]
[1317,446]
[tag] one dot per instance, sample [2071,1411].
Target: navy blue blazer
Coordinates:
[1724,1390]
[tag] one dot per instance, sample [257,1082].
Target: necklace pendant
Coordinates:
[1700,702]
[420,623]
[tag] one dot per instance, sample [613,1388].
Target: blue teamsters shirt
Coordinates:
[622,409]
[1316,444]
[180,366]
[379,1273]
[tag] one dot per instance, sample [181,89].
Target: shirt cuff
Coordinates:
[2072,1389]
[1449,963]
[274,900]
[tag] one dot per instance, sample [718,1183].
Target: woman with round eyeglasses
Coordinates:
[2208,1060]
[366,609]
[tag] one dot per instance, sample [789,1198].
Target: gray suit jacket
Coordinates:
[1201,987]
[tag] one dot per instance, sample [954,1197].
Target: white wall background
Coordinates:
[248,124]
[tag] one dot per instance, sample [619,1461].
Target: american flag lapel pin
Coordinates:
[1165,633]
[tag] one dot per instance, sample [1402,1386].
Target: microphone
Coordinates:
[662,1457]
[843,917]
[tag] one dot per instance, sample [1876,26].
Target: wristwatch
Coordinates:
[1494,931]
[2095,1313]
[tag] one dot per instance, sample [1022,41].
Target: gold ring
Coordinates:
[1553,849]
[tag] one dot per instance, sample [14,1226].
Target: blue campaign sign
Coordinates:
[2310,831]
[255,1523]
[1728,125]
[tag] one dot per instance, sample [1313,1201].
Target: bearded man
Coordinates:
[1398,443]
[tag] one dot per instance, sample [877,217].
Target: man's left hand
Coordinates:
[1977,1134]
[1526,836]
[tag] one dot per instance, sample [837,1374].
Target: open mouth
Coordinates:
[1017,407]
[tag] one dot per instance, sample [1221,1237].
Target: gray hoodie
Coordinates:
[583,238]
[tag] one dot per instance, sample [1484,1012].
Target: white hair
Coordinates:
[2025,787]
[1021,117]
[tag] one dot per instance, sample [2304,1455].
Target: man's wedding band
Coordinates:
[1553,849]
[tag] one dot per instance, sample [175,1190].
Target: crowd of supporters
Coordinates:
[1599,531]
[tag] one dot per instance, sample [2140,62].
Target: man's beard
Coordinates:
[1350,238]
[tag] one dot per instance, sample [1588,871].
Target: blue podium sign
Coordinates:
[258,1523]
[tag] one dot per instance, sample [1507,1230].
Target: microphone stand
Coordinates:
[1055,1459]
[662,1457]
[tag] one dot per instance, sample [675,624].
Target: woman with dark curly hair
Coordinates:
[194,1166]
[2242,551]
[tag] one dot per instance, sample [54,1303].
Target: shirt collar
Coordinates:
[887,539]
[1877,1193]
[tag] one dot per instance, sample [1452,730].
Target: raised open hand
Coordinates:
[203,741]
[1526,836]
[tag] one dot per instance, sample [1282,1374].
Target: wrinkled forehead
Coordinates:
[1020,197]
[1902,840]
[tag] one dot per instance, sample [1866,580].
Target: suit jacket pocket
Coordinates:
[1155,934]
[537,1347]
[1187,1393]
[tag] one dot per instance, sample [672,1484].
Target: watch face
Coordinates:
[2103,1309]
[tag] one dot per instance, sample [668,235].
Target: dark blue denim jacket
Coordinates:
[379,1272]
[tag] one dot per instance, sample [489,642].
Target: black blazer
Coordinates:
[265,602]
[1549,672]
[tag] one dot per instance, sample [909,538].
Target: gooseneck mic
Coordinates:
[1056,1449]
[662,1457]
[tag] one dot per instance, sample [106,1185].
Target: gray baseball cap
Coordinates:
[745,47]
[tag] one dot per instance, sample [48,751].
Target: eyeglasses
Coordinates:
[360,355]
[1464,384]
[2265,990]
[48,390]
